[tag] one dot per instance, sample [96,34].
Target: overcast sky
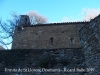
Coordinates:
[54,10]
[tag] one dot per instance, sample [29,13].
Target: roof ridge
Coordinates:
[64,22]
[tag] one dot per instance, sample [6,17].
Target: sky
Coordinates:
[53,10]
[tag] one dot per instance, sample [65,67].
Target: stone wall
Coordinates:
[85,58]
[90,40]
[48,36]
[42,58]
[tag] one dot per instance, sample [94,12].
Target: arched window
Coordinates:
[51,41]
[71,41]
[25,20]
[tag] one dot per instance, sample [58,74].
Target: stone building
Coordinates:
[53,49]
[47,36]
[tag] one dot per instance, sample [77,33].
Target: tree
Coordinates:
[35,18]
[6,33]
[1,48]
[7,28]
[89,14]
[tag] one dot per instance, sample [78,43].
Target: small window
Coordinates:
[28,23]
[25,20]
[19,28]
[51,41]
[62,32]
[71,41]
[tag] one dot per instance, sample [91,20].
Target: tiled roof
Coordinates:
[62,23]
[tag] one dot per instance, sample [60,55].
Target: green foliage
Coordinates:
[47,62]
[63,61]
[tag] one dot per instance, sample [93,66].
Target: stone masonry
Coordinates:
[61,49]
[90,40]
[48,36]
[42,58]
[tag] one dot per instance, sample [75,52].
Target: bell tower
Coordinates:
[24,20]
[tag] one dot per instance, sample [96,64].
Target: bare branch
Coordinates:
[35,18]
[89,14]
[7,28]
